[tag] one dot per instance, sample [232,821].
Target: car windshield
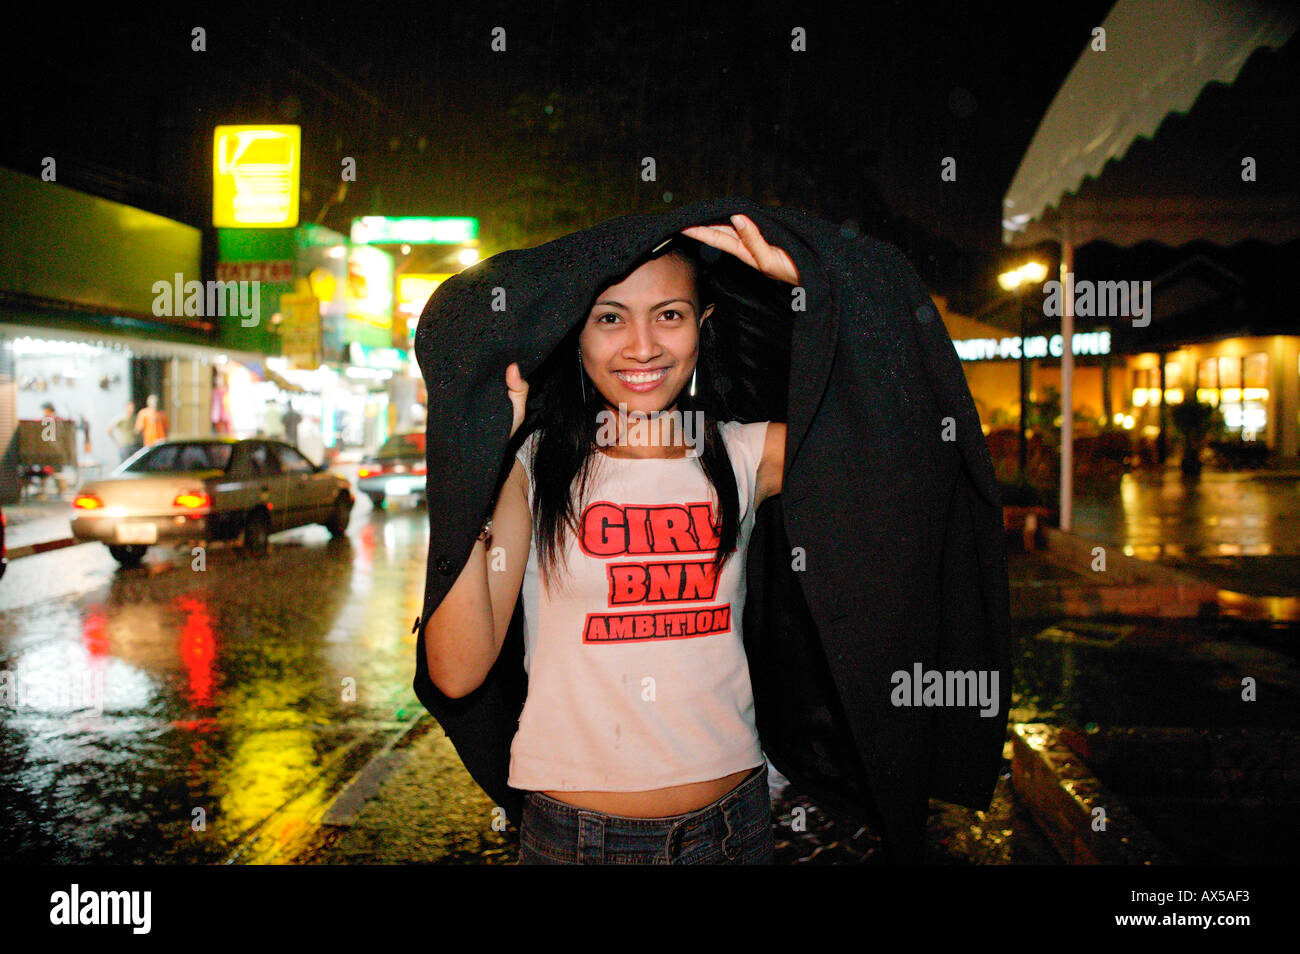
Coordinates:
[167,458]
[403,445]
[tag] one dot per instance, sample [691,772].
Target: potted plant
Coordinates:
[1195,421]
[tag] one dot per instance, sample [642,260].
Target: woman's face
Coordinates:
[641,339]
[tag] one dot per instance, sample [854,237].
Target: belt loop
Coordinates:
[673,843]
[733,811]
[591,839]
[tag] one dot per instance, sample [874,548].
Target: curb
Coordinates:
[348,804]
[1120,567]
[283,834]
[1063,794]
[31,549]
[1130,586]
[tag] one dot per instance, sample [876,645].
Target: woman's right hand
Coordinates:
[518,390]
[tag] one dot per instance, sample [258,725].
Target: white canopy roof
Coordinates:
[1159,55]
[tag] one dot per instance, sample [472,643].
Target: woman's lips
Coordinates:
[641,381]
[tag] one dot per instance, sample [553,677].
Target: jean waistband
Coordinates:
[756,777]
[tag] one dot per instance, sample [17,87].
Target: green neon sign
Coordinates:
[413,230]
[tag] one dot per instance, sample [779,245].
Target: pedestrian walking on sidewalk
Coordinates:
[151,423]
[123,433]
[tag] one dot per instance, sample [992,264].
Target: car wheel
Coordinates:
[128,555]
[337,524]
[377,500]
[257,532]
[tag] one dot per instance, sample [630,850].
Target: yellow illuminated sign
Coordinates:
[322,284]
[414,290]
[255,176]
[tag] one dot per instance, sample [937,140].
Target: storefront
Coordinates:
[330,303]
[1253,380]
[93,379]
[100,306]
[343,410]
[991,358]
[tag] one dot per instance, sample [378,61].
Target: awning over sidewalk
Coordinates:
[139,346]
[1176,220]
[1158,58]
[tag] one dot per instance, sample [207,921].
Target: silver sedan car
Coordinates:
[214,488]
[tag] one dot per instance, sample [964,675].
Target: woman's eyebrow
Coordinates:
[619,304]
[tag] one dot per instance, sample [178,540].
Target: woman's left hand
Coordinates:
[743,240]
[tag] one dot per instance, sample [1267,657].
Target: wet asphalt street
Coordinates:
[201,710]
[219,710]
[177,714]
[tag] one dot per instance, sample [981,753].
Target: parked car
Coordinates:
[398,470]
[216,488]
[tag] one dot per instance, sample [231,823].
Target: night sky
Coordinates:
[548,136]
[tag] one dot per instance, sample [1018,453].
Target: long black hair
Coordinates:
[729,368]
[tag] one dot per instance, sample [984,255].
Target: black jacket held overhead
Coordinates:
[889,494]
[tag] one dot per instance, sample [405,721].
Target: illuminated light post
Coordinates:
[1031,273]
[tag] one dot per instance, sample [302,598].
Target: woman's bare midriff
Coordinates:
[657,802]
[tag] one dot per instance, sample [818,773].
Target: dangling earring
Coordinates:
[693,372]
[581,383]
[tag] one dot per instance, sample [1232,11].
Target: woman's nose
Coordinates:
[642,344]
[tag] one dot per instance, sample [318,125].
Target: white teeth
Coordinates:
[643,377]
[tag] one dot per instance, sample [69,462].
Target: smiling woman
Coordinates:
[611,622]
[650,346]
[605,651]
[636,343]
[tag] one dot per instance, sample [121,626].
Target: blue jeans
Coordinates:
[736,829]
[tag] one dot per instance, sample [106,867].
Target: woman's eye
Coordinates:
[601,318]
[675,314]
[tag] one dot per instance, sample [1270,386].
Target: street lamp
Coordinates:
[1030,273]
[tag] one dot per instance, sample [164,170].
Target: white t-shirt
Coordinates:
[637,671]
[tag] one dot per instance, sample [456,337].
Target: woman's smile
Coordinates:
[642,381]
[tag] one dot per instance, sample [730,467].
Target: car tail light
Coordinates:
[192,500]
[366,471]
[87,502]
[419,469]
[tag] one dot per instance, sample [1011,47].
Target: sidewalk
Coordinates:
[1239,530]
[411,821]
[407,818]
[37,525]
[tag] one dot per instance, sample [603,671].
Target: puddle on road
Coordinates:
[1162,672]
[166,715]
